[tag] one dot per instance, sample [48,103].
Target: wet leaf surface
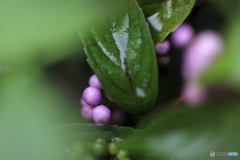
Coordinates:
[164,16]
[120,51]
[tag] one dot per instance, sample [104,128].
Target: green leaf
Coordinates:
[120,51]
[43,30]
[191,133]
[28,102]
[71,133]
[164,16]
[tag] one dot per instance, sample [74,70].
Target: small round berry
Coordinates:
[123,153]
[164,60]
[101,140]
[99,149]
[99,124]
[92,96]
[113,148]
[82,103]
[101,114]
[162,48]
[183,35]
[118,117]
[200,54]
[94,82]
[86,111]
[193,93]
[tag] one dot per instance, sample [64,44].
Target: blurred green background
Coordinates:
[43,69]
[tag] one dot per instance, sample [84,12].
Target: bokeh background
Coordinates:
[43,69]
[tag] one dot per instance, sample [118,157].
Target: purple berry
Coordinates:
[99,124]
[162,48]
[193,93]
[200,54]
[101,114]
[94,82]
[92,96]
[118,117]
[82,102]
[164,60]
[86,111]
[183,35]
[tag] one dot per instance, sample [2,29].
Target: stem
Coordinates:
[174,104]
[169,108]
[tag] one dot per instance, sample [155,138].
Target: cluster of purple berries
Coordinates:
[90,101]
[200,50]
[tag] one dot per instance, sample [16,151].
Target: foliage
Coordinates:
[225,69]
[121,50]
[36,109]
[164,16]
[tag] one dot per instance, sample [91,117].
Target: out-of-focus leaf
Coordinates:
[227,8]
[191,133]
[164,16]
[33,29]
[28,103]
[226,68]
[71,133]
[121,53]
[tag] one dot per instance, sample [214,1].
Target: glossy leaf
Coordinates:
[164,16]
[191,133]
[120,51]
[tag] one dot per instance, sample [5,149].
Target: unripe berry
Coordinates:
[101,140]
[99,149]
[113,148]
[92,96]
[94,82]
[162,48]
[123,153]
[101,114]
[183,35]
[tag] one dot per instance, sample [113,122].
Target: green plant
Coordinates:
[181,103]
